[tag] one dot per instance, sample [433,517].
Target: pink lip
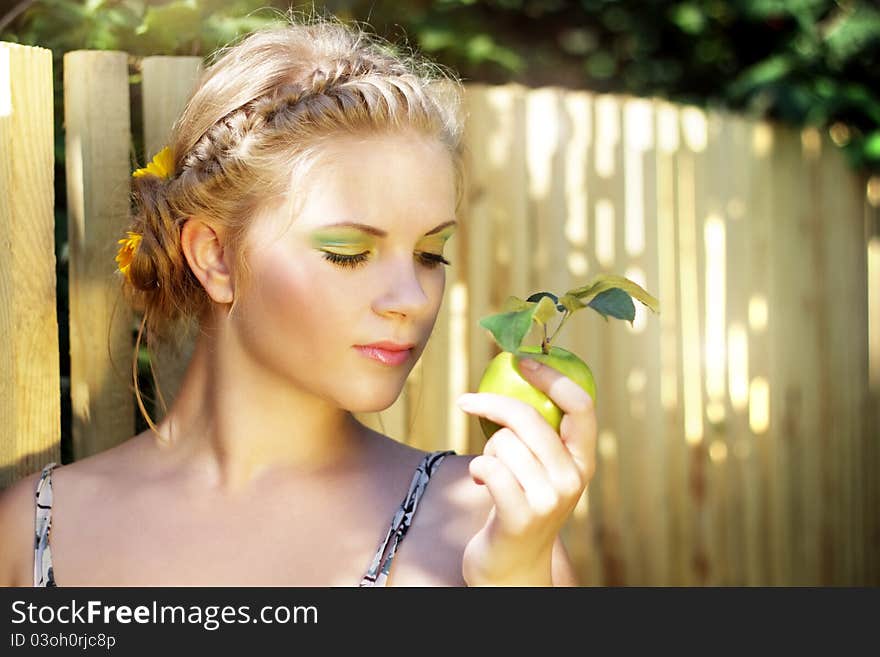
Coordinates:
[386,356]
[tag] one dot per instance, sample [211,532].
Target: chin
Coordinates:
[374,400]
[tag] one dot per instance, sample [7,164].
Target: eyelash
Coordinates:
[430,260]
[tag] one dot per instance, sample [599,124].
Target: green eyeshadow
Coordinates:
[350,238]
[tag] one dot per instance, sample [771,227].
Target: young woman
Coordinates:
[297,217]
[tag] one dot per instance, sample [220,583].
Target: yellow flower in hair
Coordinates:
[126,252]
[162,165]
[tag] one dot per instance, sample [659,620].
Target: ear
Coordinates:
[203,248]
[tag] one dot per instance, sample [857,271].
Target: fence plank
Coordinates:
[792,334]
[29,400]
[96,118]
[845,379]
[721,295]
[168,83]
[691,209]
[871,465]
[759,214]
[741,259]
[670,435]
[640,342]
[606,182]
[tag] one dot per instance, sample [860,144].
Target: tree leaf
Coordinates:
[604,282]
[545,310]
[510,329]
[616,303]
[853,33]
[537,296]
[763,73]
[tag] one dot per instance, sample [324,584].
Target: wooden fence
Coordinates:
[738,429]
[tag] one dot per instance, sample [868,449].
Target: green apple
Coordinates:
[503,378]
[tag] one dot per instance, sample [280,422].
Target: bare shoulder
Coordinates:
[73,484]
[91,476]
[452,510]
[17,530]
[452,495]
[462,496]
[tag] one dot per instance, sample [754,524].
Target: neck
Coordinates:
[232,422]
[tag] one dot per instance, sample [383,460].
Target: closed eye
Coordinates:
[345,261]
[429,260]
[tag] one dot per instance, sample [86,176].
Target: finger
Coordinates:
[511,506]
[583,449]
[530,427]
[564,392]
[531,475]
[578,427]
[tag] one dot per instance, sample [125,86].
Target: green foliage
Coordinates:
[140,27]
[807,62]
[609,295]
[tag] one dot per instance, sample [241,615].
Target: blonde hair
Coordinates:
[256,121]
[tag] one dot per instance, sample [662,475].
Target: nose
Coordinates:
[403,294]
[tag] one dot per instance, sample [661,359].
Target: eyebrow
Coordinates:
[372,230]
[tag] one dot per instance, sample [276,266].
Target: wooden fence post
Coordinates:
[168,83]
[97,143]
[30,409]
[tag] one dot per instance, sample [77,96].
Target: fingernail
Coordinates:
[530,364]
[463,402]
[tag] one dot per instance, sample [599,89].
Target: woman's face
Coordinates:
[318,289]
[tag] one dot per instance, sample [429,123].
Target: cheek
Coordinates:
[288,292]
[434,287]
[284,285]
[298,299]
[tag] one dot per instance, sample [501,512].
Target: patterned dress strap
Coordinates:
[44,575]
[377,575]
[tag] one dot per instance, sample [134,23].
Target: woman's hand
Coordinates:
[535,477]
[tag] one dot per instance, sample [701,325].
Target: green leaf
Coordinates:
[767,71]
[537,296]
[510,329]
[545,310]
[853,34]
[615,303]
[604,282]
